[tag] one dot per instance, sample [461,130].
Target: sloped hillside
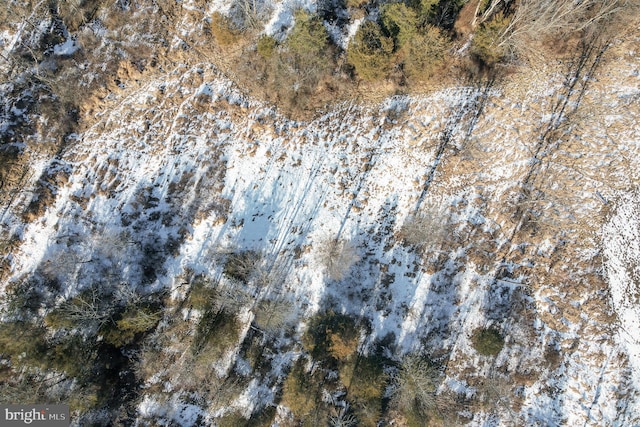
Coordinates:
[191,256]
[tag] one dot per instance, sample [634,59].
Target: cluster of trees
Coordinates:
[337,382]
[81,342]
[336,256]
[408,42]
[404,42]
[408,37]
[97,42]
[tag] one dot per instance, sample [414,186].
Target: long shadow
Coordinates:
[406,309]
[433,321]
[146,226]
[278,217]
[580,71]
[505,285]
[417,308]
[471,101]
[369,165]
[361,291]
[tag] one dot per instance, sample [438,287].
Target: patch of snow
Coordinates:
[621,248]
[282,17]
[221,6]
[352,29]
[151,408]
[173,410]
[460,387]
[68,48]
[204,89]
[187,414]
[255,395]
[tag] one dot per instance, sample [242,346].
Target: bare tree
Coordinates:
[425,228]
[64,265]
[336,256]
[416,383]
[496,392]
[535,20]
[114,244]
[89,309]
[241,265]
[272,315]
[230,299]
[482,16]
[343,418]
[250,13]
[32,386]
[25,17]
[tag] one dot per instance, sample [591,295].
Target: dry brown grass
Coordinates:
[464,23]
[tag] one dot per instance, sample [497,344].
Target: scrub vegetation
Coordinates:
[174,309]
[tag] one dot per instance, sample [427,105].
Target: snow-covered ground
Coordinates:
[188,167]
[621,246]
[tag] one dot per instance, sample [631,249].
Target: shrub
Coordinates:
[331,335]
[426,228]
[369,52]
[342,346]
[343,417]
[300,393]
[308,40]
[134,322]
[440,13]
[495,391]
[369,378]
[23,342]
[290,73]
[216,332]
[423,53]
[425,11]
[84,399]
[488,342]
[399,22]
[90,309]
[21,298]
[366,389]
[416,384]
[356,3]
[201,294]
[74,356]
[336,256]
[25,345]
[485,46]
[241,265]
[223,30]
[59,319]
[20,388]
[272,315]
[263,417]
[266,46]
[306,59]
